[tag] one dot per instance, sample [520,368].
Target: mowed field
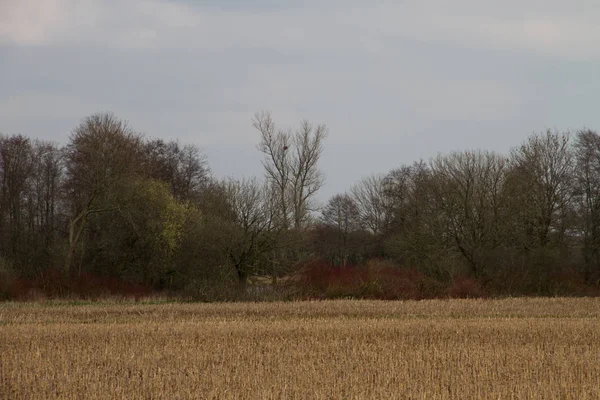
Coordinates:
[438,349]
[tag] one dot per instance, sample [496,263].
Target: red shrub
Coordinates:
[464,287]
[569,281]
[96,286]
[376,280]
[16,289]
[52,283]
[324,280]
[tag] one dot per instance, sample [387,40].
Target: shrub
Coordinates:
[378,279]
[52,284]
[464,287]
[12,287]
[569,281]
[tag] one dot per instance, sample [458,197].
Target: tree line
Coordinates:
[115,211]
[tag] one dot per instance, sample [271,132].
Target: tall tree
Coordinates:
[102,159]
[184,168]
[291,165]
[45,206]
[541,185]
[470,196]
[416,231]
[275,144]
[307,179]
[373,205]
[587,153]
[342,214]
[16,168]
[254,232]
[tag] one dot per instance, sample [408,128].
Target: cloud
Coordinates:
[552,29]
[47,105]
[31,22]
[571,38]
[471,100]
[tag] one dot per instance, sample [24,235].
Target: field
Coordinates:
[438,349]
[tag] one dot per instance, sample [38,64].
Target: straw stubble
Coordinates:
[455,349]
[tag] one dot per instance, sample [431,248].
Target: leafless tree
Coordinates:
[469,194]
[407,194]
[291,165]
[101,159]
[254,232]
[307,179]
[275,145]
[416,232]
[46,180]
[342,214]
[541,183]
[16,167]
[184,168]
[374,207]
[587,153]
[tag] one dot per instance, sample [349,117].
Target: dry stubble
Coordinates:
[457,349]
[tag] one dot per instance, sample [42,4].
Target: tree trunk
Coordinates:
[242,275]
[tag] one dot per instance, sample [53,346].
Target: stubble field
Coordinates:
[439,349]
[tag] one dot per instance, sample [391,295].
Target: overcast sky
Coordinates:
[395,81]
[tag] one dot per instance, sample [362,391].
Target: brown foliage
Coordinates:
[375,280]
[53,284]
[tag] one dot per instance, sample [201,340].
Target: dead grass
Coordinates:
[438,349]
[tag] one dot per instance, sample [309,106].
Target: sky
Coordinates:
[394,81]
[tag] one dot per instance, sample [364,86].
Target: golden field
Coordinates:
[437,349]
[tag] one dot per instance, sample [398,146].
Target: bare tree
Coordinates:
[184,168]
[16,167]
[307,179]
[587,153]
[254,233]
[342,214]
[45,199]
[541,184]
[416,231]
[275,145]
[407,195]
[101,159]
[291,165]
[373,204]
[469,195]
